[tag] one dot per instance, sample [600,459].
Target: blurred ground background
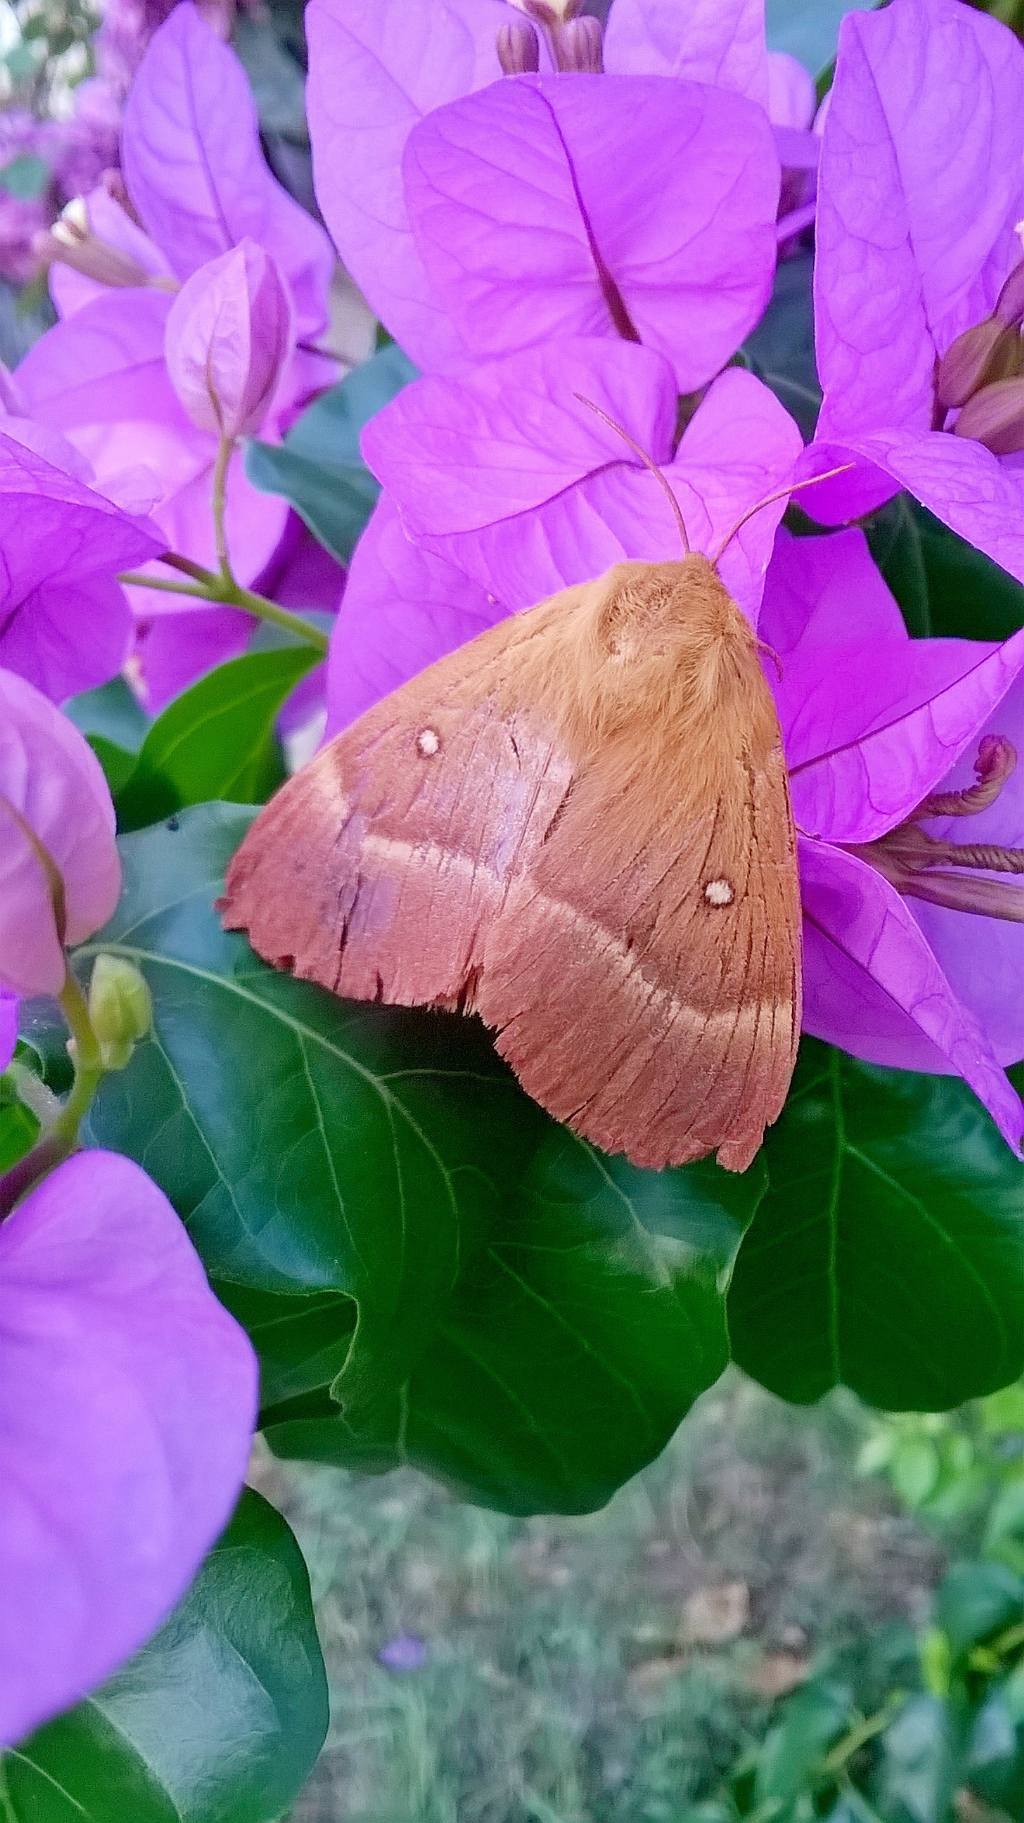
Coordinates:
[614,1668]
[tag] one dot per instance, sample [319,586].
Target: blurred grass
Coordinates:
[608,1668]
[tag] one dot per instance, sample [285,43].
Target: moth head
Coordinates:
[663,610]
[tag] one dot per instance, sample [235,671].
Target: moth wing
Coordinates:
[649,994]
[377,870]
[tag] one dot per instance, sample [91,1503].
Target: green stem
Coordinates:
[88,1065]
[60,1136]
[220,536]
[858,1736]
[277,616]
[230,594]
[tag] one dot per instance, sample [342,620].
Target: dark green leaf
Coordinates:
[945,587]
[19,1127]
[574,1342]
[895,539]
[115,725]
[117,762]
[318,467]
[218,1720]
[511,1310]
[975,1602]
[853,1807]
[995,1753]
[888,1253]
[781,349]
[25,313]
[794,1749]
[923,1752]
[217,739]
[277,80]
[112,713]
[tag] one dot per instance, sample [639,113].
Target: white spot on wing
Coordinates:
[718,892]
[428,742]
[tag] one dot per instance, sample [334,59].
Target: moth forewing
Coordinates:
[578,825]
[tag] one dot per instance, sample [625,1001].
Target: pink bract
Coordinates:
[57,822]
[127,1402]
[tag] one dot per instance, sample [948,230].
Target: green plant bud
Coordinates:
[120,1008]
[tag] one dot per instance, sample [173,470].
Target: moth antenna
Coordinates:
[648,462]
[781,493]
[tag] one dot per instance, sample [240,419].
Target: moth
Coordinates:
[577,826]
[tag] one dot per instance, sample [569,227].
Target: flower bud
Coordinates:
[1010,302]
[985,352]
[120,1008]
[229,335]
[518,48]
[578,46]
[995,417]
[72,242]
[60,875]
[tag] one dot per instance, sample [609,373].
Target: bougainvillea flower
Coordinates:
[60,876]
[510,487]
[636,206]
[64,619]
[377,67]
[127,1403]
[918,265]
[902,768]
[198,182]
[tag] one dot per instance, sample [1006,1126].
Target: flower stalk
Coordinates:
[220,590]
[917,863]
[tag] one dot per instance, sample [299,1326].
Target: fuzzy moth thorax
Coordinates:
[650,653]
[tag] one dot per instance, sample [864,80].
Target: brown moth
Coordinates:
[577,826]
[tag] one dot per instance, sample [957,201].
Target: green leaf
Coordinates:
[945,587]
[975,1602]
[888,1254]
[25,177]
[895,540]
[275,77]
[217,739]
[995,1757]
[114,723]
[794,1749]
[808,29]
[111,713]
[574,1342]
[218,1720]
[923,1751]
[915,1470]
[318,467]
[19,1127]
[23,61]
[781,349]
[118,762]
[401,1227]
